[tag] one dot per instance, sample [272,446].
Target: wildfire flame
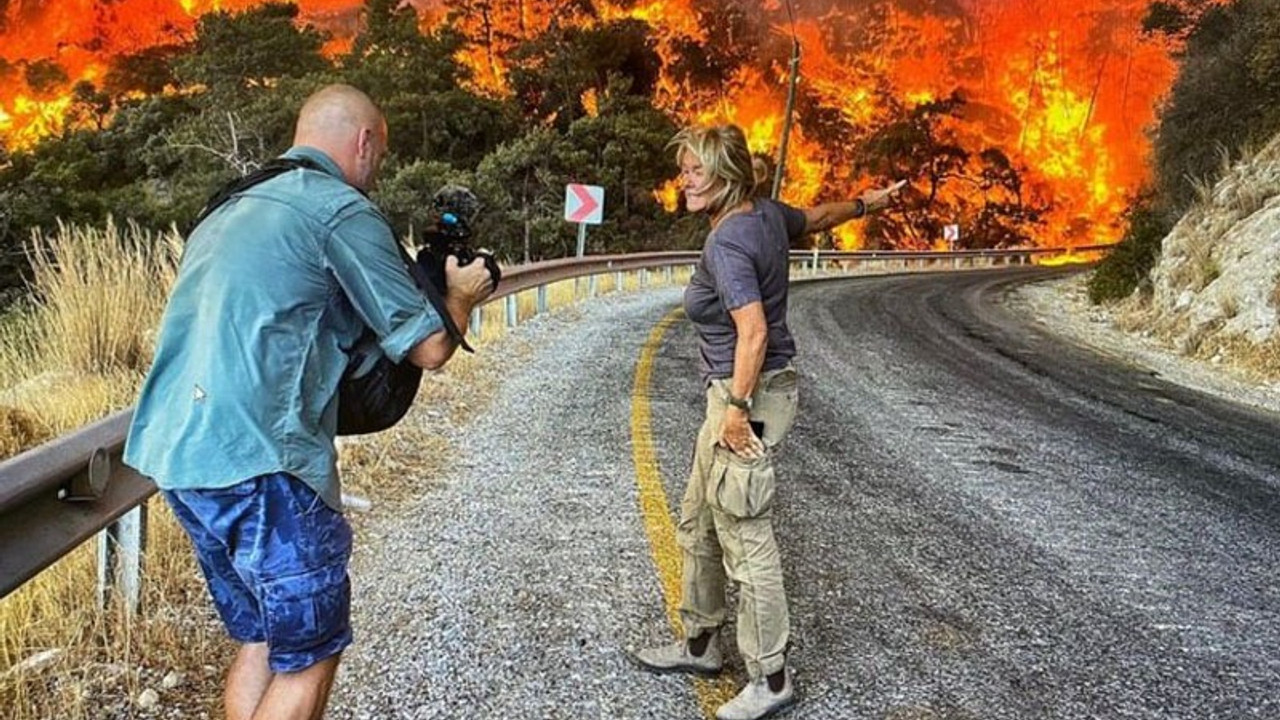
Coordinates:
[1064,90]
[59,43]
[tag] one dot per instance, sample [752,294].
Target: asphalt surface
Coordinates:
[977,521]
[981,521]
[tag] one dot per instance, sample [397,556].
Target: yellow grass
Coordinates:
[77,352]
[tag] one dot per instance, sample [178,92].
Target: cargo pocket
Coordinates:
[307,616]
[741,488]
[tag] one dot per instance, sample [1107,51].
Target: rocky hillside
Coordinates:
[1215,291]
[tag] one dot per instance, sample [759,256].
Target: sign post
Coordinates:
[583,204]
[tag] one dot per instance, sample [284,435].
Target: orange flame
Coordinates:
[1070,257]
[669,195]
[75,40]
[1065,92]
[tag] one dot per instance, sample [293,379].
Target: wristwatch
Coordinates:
[743,404]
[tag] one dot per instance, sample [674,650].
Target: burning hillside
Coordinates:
[1020,120]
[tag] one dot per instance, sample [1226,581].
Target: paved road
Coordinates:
[977,522]
[980,521]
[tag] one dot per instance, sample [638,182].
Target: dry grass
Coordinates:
[20,429]
[104,660]
[1135,313]
[1198,267]
[1256,362]
[77,352]
[98,295]
[1245,187]
[74,353]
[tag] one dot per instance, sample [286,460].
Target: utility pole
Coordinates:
[791,101]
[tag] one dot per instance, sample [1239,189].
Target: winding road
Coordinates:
[978,521]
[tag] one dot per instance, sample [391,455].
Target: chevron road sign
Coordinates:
[584,204]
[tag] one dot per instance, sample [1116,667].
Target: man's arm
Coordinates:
[467,287]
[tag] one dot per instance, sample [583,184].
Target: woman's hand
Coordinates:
[873,200]
[736,434]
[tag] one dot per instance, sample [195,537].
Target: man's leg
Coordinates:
[299,695]
[205,515]
[247,681]
[300,568]
[275,558]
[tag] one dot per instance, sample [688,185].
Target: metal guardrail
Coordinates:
[56,496]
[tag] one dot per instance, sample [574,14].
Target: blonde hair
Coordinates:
[723,154]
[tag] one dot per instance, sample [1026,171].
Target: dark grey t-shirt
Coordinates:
[743,261]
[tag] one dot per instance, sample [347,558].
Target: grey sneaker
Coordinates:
[677,658]
[757,701]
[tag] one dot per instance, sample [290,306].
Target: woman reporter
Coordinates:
[737,301]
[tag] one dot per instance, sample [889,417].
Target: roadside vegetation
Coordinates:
[1224,103]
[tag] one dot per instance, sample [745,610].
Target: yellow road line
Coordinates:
[654,509]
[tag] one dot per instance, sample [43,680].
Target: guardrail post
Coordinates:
[120,549]
[513,311]
[813,266]
[668,274]
[617,281]
[542,299]
[477,322]
[591,286]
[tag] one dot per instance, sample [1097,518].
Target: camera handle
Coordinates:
[434,289]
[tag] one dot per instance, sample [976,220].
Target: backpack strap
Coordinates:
[432,292]
[273,168]
[282,165]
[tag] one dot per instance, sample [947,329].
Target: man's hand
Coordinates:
[470,283]
[736,434]
[873,200]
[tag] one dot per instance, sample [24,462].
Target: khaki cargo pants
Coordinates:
[726,527]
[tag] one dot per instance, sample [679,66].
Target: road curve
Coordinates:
[980,520]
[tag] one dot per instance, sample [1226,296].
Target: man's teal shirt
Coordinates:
[273,289]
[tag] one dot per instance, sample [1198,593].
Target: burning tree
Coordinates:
[1021,120]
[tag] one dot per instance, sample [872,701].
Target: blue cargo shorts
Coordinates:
[275,559]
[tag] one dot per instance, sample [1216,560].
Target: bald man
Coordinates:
[237,417]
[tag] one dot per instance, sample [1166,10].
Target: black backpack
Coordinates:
[374,392]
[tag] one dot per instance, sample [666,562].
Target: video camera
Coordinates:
[454,209]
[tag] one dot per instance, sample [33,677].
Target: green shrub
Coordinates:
[1126,268]
[1227,95]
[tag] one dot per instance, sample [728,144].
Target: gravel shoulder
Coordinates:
[1062,307]
[512,585]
